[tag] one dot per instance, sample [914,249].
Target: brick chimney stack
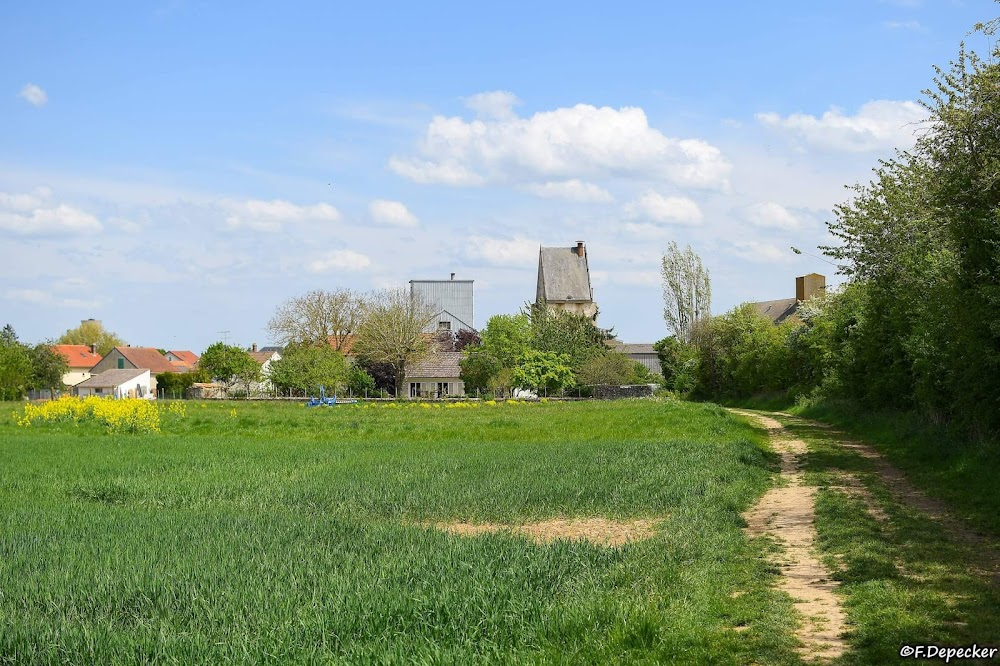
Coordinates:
[808,286]
[253,347]
[580,251]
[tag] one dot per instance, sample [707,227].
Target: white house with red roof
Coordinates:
[80,359]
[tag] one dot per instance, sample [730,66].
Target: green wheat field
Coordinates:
[272,533]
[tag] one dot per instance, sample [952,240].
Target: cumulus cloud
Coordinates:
[36,214]
[33,95]
[271,216]
[519,251]
[877,125]
[496,104]
[654,207]
[572,190]
[583,141]
[339,260]
[392,213]
[771,215]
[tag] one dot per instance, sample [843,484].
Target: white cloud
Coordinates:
[573,190]
[654,207]
[771,215]
[877,125]
[916,26]
[35,214]
[392,213]
[761,253]
[39,297]
[34,95]
[497,104]
[519,251]
[583,141]
[272,215]
[339,260]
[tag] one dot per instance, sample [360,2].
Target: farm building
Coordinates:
[452,300]
[806,287]
[564,280]
[80,359]
[641,352]
[118,384]
[436,376]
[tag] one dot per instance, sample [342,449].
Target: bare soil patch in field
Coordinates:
[787,513]
[601,531]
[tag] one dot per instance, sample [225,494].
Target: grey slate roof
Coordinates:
[563,275]
[779,310]
[438,364]
[634,347]
[111,378]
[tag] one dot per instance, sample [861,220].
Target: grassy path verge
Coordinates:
[910,571]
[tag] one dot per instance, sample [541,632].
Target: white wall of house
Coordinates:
[75,376]
[139,387]
[435,387]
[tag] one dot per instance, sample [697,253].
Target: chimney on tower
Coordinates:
[580,251]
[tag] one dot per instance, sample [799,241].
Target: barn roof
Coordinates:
[111,378]
[438,364]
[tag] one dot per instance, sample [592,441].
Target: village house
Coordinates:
[437,375]
[80,359]
[564,280]
[782,309]
[183,359]
[137,358]
[264,359]
[127,383]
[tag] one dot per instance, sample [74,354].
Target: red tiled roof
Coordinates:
[261,357]
[149,358]
[78,356]
[188,357]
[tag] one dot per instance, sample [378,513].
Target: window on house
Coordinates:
[121,364]
[98,390]
[414,389]
[444,325]
[443,389]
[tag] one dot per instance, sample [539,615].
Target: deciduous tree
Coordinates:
[91,332]
[391,331]
[687,292]
[319,316]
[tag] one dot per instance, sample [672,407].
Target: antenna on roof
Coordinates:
[225,336]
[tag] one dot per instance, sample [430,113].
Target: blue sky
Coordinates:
[179,169]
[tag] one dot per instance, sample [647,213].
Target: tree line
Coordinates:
[917,325]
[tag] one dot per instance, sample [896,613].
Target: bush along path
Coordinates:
[906,569]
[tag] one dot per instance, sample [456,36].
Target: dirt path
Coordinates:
[987,560]
[788,514]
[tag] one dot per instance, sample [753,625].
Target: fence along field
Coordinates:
[268,533]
